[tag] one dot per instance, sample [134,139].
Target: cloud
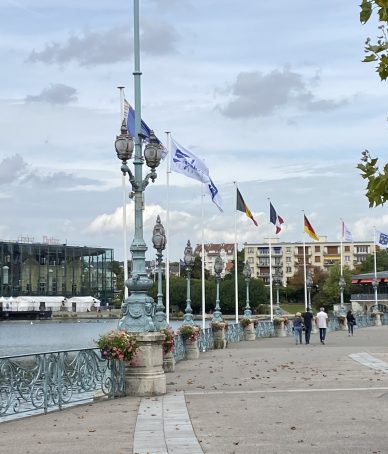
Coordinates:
[113,222]
[92,48]
[364,227]
[11,168]
[257,95]
[55,94]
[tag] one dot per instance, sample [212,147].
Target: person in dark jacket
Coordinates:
[308,320]
[351,321]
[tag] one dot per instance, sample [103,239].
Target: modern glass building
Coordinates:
[32,269]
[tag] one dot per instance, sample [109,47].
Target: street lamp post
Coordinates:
[375,284]
[278,311]
[309,284]
[218,267]
[159,241]
[136,310]
[247,272]
[189,259]
[342,285]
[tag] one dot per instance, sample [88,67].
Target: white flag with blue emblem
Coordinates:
[185,162]
[381,239]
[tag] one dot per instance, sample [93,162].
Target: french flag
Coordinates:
[275,219]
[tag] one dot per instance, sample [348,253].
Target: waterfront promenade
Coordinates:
[266,396]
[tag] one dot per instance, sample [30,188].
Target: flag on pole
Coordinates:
[381,239]
[275,219]
[308,228]
[346,233]
[129,114]
[242,206]
[185,162]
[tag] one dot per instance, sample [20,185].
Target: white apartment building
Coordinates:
[286,258]
[212,250]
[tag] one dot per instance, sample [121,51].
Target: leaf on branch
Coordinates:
[366,11]
[369,58]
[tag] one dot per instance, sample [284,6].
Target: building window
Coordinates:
[317,248]
[288,259]
[42,288]
[251,250]
[250,259]
[288,249]
[362,249]
[347,248]
[288,269]
[317,259]
[347,258]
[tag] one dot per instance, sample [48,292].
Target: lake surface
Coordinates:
[23,337]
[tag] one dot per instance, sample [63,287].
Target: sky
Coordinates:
[271,95]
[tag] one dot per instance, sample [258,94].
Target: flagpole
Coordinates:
[375,284]
[270,279]
[203,259]
[235,258]
[124,189]
[304,267]
[167,275]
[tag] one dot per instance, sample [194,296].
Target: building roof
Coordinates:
[366,278]
[215,248]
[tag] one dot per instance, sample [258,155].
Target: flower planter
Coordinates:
[219,337]
[279,329]
[192,350]
[249,332]
[168,362]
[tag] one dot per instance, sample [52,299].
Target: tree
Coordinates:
[377,52]
[368,266]
[331,293]
[377,187]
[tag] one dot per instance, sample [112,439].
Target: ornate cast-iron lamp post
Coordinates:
[278,280]
[189,259]
[309,284]
[342,285]
[136,310]
[247,272]
[218,267]
[159,241]
[375,284]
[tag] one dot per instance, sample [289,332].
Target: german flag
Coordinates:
[242,206]
[308,228]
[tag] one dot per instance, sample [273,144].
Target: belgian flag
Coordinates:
[242,206]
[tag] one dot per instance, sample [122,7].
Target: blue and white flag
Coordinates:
[346,234]
[185,162]
[381,239]
[129,114]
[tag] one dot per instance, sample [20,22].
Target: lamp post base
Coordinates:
[145,377]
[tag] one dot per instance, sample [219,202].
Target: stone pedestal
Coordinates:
[343,323]
[192,350]
[168,362]
[249,332]
[145,377]
[219,338]
[377,318]
[279,330]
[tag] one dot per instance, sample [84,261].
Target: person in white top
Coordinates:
[321,321]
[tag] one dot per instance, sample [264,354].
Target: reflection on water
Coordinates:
[23,337]
[18,338]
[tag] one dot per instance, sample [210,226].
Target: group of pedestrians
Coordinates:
[306,321]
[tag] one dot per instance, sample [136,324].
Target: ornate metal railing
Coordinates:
[206,340]
[38,383]
[234,333]
[265,328]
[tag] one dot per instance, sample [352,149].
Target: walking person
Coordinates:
[351,320]
[297,326]
[321,320]
[308,320]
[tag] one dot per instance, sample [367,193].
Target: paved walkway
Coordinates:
[267,396]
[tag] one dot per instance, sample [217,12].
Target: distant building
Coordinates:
[38,269]
[288,258]
[364,299]
[212,250]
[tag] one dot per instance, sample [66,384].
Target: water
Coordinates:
[24,337]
